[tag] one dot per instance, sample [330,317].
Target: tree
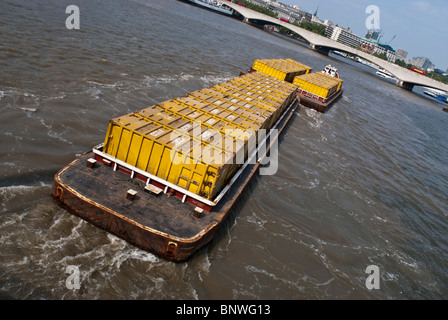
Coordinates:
[381,55]
[437,77]
[401,63]
[258,8]
[313,27]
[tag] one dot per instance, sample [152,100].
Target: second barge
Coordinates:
[319,90]
[148,184]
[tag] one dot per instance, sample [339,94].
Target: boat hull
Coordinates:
[118,223]
[320,106]
[160,224]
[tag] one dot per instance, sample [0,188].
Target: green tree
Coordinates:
[258,8]
[401,63]
[313,27]
[381,55]
[438,77]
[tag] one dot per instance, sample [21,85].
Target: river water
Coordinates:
[363,184]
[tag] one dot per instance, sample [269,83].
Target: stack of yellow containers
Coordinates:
[283,69]
[320,84]
[199,141]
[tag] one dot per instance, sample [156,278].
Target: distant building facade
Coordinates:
[422,63]
[372,34]
[285,12]
[342,35]
[401,54]
[373,46]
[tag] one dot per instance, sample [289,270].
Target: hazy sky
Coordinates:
[421,27]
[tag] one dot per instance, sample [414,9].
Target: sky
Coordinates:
[419,27]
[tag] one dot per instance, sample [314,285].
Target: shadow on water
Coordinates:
[29,179]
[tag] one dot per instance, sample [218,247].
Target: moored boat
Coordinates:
[430,93]
[385,74]
[212,5]
[437,94]
[148,184]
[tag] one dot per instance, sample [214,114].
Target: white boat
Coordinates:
[271,28]
[385,74]
[330,70]
[431,93]
[213,5]
[339,53]
[439,95]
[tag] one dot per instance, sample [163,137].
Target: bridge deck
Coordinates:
[406,78]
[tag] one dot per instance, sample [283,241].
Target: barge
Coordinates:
[319,90]
[163,180]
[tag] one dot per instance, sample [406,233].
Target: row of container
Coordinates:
[199,141]
[282,69]
[300,75]
[320,84]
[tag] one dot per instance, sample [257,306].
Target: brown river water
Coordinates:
[363,184]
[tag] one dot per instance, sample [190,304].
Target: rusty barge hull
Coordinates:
[161,224]
[318,105]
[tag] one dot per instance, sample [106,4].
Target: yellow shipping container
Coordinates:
[220,100]
[307,68]
[226,135]
[314,81]
[280,91]
[161,140]
[170,154]
[243,96]
[260,78]
[272,90]
[202,112]
[281,69]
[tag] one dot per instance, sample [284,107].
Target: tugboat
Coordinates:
[319,90]
[330,70]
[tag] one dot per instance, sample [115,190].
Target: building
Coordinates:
[373,46]
[342,35]
[372,34]
[315,19]
[422,63]
[401,54]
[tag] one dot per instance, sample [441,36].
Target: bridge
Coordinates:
[405,77]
